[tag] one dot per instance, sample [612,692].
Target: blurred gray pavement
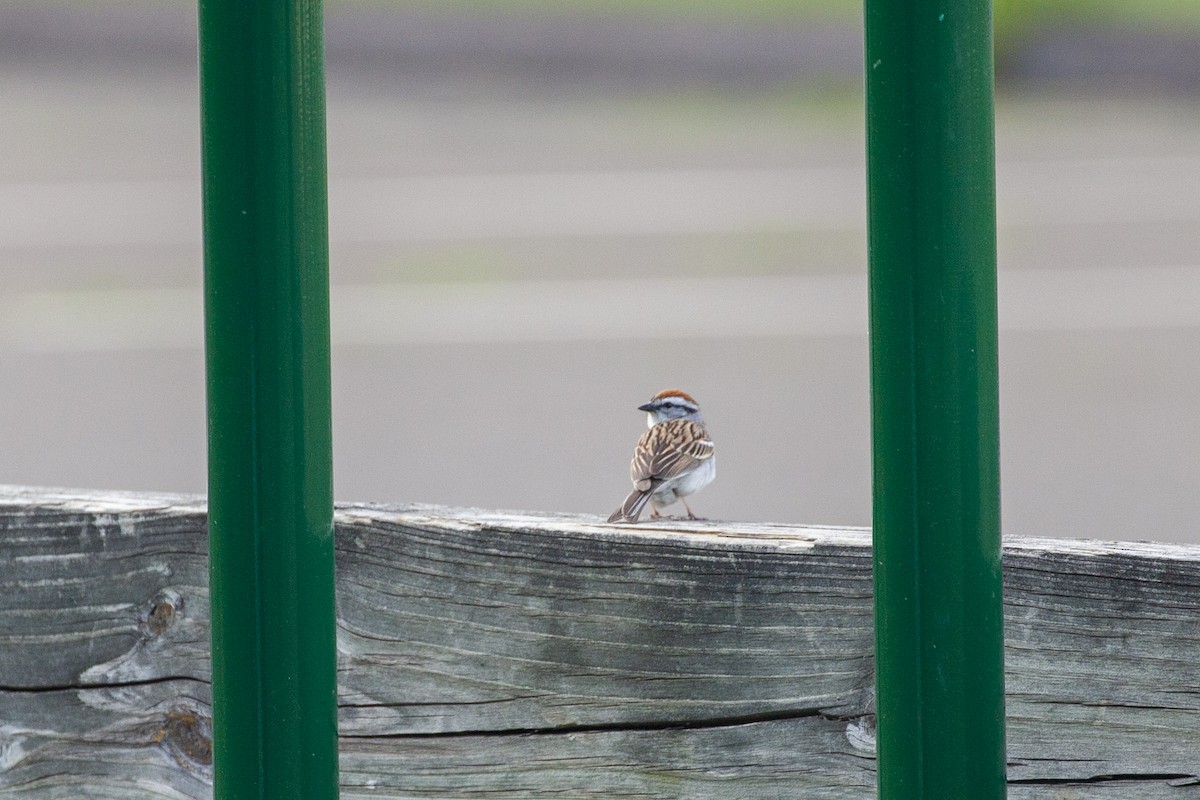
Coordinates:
[516,269]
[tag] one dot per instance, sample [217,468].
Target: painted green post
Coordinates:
[267,350]
[938,619]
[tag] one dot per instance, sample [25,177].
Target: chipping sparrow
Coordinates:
[672,459]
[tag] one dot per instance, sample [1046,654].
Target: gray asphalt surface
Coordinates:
[516,268]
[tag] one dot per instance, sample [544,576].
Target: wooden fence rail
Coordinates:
[492,655]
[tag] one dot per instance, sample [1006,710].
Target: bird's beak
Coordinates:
[646,407]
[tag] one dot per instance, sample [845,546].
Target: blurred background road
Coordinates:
[543,214]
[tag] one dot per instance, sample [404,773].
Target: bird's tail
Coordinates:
[631,509]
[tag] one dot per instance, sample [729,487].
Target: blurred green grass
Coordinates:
[1010,14]
[1014,20]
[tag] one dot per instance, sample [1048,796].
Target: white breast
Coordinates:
[688,483]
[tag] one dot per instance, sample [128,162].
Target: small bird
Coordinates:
[673,459]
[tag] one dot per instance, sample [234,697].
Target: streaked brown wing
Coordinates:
[668,450]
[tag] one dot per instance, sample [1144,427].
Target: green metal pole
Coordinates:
[267,350]
[935,425]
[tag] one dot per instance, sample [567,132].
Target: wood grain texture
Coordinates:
[493,655]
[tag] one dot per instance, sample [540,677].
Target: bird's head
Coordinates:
[670,404]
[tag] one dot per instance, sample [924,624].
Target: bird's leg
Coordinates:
[654,513]
[689,509]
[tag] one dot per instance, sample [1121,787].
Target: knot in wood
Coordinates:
[187,734]
[160,614]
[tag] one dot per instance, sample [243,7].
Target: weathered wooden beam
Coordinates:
[491,655]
